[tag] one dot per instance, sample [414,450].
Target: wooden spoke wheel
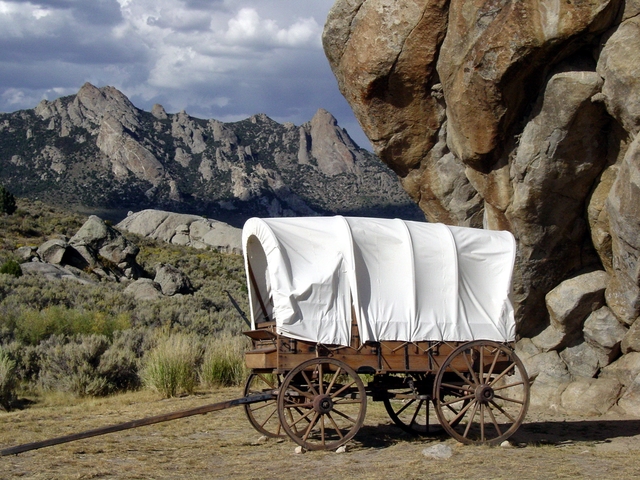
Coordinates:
[409,405]
[481,393]
[322,404]
[263,416]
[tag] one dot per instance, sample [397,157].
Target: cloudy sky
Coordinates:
[223,59]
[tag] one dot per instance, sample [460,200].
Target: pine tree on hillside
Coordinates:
[7,201]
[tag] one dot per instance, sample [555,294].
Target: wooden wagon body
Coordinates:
[414,315]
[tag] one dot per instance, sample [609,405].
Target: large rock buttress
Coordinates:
[521,116]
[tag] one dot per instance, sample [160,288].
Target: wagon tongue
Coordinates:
[138,423]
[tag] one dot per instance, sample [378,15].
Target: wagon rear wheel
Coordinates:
[409,405]
[322,404]
[263,416]
[481,393]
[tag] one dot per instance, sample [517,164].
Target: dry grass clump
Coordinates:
[179,362]
[171,367]
[7,379]
[223,363]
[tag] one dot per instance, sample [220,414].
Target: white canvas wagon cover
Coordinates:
[403,280]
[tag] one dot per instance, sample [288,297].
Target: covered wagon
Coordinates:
[416,315]
[411,314]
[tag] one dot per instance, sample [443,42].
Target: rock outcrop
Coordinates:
[99,252]
[182,229]
[521,116]
[96,252]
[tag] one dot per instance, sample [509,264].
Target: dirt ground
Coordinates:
[224,445]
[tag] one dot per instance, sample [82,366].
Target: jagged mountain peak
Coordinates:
[96,149]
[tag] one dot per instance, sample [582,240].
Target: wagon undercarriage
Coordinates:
[478,392]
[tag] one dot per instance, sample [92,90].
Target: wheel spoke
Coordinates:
[320,380]
[343,415]
[458,399]
[493,364]
[455,370]
[314,392]
[304,394]
[335,426]
[507,399]
[260,407]
[504,372]
[333,380]
[269,417]
[310,427]
[335,394]
[303,417]
[464,388]
[347,401]
[405,406]
[482,421]
[503,411]
[459,413]
[470,421]
[494,421]
[470,367]
[508,386]
[271,384]
[415,414]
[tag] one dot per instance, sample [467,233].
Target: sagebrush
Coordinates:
[91,339]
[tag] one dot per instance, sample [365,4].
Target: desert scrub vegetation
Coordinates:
[223,361]
[32,223]
[94,339]
[7,379]
[171,367]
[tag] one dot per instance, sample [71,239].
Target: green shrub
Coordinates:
[171,367]
[7,379]
[7,201]
[11,267]
[33,326]
[120,364]
[27,361]
[72,365]
[223,363]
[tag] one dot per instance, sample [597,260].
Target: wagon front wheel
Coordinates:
[263,416]
[322,404]
[481,393]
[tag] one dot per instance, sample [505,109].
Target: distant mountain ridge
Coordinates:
[96,150]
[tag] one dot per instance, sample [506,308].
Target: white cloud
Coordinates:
[225,59]
[247,27]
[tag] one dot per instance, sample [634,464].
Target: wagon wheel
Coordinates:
[410,406]
[481,393]
[322,404]
[263,416]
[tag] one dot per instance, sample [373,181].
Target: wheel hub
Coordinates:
[484,393]
[322,404]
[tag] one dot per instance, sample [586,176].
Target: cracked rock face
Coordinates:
[521,116]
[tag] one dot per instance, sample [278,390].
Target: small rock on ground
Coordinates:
[440,451]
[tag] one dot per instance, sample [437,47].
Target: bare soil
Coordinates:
[224,445]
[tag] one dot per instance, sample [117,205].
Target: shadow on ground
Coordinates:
[575,431]
[532,433]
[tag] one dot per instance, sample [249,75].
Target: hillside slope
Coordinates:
[97,150]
